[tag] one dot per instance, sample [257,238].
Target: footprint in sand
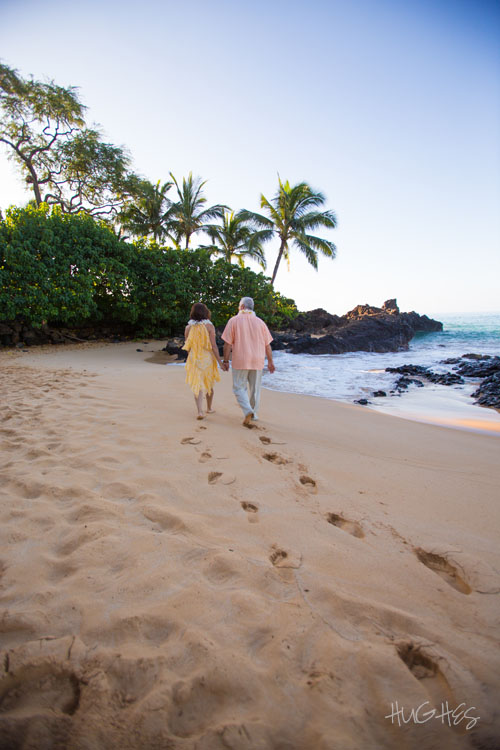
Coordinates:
[252,511]
[216,477]
[275,458]
[250,507]
[268,441]
[278,556]
[419,664]
[205,456]
[352,527]
[424,667]
[443,568]
[41,689]
[282,558]
[190,441]
[307,482]
[163,518]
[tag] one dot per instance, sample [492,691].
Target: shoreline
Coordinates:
[417,406]
[433,404]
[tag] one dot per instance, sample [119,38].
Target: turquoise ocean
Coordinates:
[349,377]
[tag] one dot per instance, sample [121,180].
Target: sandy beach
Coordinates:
[169,583]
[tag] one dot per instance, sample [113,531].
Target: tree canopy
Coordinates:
[150,212]
[234,238]
[71,270]
[291,215]
[189,215]
[66,163]
[62,258]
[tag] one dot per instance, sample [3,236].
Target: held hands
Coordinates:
[224,366]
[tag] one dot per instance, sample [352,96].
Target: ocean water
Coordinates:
[348,377]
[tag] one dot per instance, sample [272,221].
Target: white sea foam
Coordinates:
[357,375]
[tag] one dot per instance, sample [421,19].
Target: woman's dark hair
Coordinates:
[199,311]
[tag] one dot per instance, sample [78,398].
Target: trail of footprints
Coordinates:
[53,385]
[436,563]
[60,689]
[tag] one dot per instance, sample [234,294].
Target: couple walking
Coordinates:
[248,339]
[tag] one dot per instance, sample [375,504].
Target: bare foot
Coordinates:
[200,416]
[210,411]
[248,419]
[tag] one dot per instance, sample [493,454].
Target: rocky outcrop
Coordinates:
[488,393]
[365,328]
[315,321]
[447,378]
[483,366]
[474,366]
[174,346]
[19,334]
[421,323]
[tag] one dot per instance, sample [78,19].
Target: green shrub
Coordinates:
[73,270]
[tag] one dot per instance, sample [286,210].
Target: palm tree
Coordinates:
[188,216]
[235,239]
[292,214]
[150,212]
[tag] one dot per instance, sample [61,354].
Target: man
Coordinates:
[249,339]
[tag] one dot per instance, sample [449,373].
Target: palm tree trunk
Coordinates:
[278,260]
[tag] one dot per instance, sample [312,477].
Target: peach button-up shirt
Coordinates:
[249,336]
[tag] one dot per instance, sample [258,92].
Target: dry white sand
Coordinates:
[168,583]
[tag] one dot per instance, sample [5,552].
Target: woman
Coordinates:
[201,365]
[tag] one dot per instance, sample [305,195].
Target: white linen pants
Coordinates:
[246,388]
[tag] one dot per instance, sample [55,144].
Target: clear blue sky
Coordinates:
[392,109]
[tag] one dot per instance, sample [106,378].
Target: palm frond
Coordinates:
[327,248]
[305,247]
[258,220]
[314,219]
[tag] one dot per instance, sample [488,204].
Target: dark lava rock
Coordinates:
[488,393]
[476,356]
[379,394]
[362,401]
[279,342]
[315,321]
[378,333]
[447,378]
[174,346]
[409,370]
[15,332]
[403,383]
[421,323]
[481,368]
[365,328]
[311,345]
[384,333]
[391,306]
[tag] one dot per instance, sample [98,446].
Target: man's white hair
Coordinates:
[247,303]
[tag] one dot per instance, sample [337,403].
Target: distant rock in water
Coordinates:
[487,367]
[467,366]
[365,328]
[488,393]
[315,321]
